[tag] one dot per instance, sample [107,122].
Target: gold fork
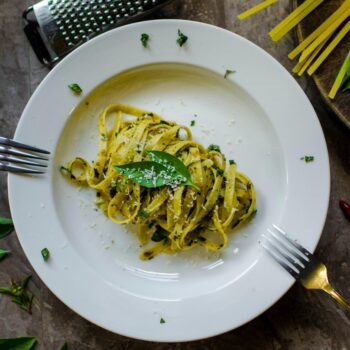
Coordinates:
[300,263]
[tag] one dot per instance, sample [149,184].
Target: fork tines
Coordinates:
[288,253]
[29,158]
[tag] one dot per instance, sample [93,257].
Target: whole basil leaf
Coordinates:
[6,227]
[22,343]
[3,253]
[173,165]
[146,174]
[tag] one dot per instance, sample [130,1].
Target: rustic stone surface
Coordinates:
[300,320]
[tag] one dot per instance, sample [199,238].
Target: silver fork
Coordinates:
[29,158]
[300,263]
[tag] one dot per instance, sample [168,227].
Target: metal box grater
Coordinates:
[56,27]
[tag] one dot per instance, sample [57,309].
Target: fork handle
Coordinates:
[329,289]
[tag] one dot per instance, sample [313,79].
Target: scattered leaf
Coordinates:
[45,254]
[159,235]
[181,38]
[228,72]
[144,39]
[22,343]
[3,253]
[75,88]
[20,296]
[308,159]
[6,227]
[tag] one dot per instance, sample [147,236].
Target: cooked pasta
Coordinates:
[173,217]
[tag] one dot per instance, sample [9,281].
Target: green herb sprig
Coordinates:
[181,38]
[162,169]
[45,254]
[144,39]
[228,72]
[214,148]
[75,88]
[22,343]
[143,213]
[159,234]
[308,159]
[6,227]
[21,297]
[3,253]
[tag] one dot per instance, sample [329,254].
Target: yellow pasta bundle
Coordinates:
[176,217]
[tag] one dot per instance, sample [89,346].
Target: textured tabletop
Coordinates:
[300,320]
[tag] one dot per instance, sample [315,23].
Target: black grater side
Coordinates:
[56,27]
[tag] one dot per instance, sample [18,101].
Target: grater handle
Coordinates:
[31,29]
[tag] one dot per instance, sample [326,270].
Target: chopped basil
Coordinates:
[20,296]
[22,343]
[3,253]
[6,227]
[144,39]
[193,122]
[45,253]
[254,211]
[181,38]
[159,235]
[75,88]
[308,159]
[232,161]
[143,213]
[228,72]
[162,320]
[214,148]
[219,171]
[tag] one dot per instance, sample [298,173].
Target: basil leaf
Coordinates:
[45,254]
[6,227]
[173,165]
[22,343]
[146,174]
[20,296]
[308,159]
[214,148]
[3,253]
[162,320]
[144,39]
[143,213]
[75,88]
[159,235]
[181,38]
[64,346]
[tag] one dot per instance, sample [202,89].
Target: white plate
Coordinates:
[259,116]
